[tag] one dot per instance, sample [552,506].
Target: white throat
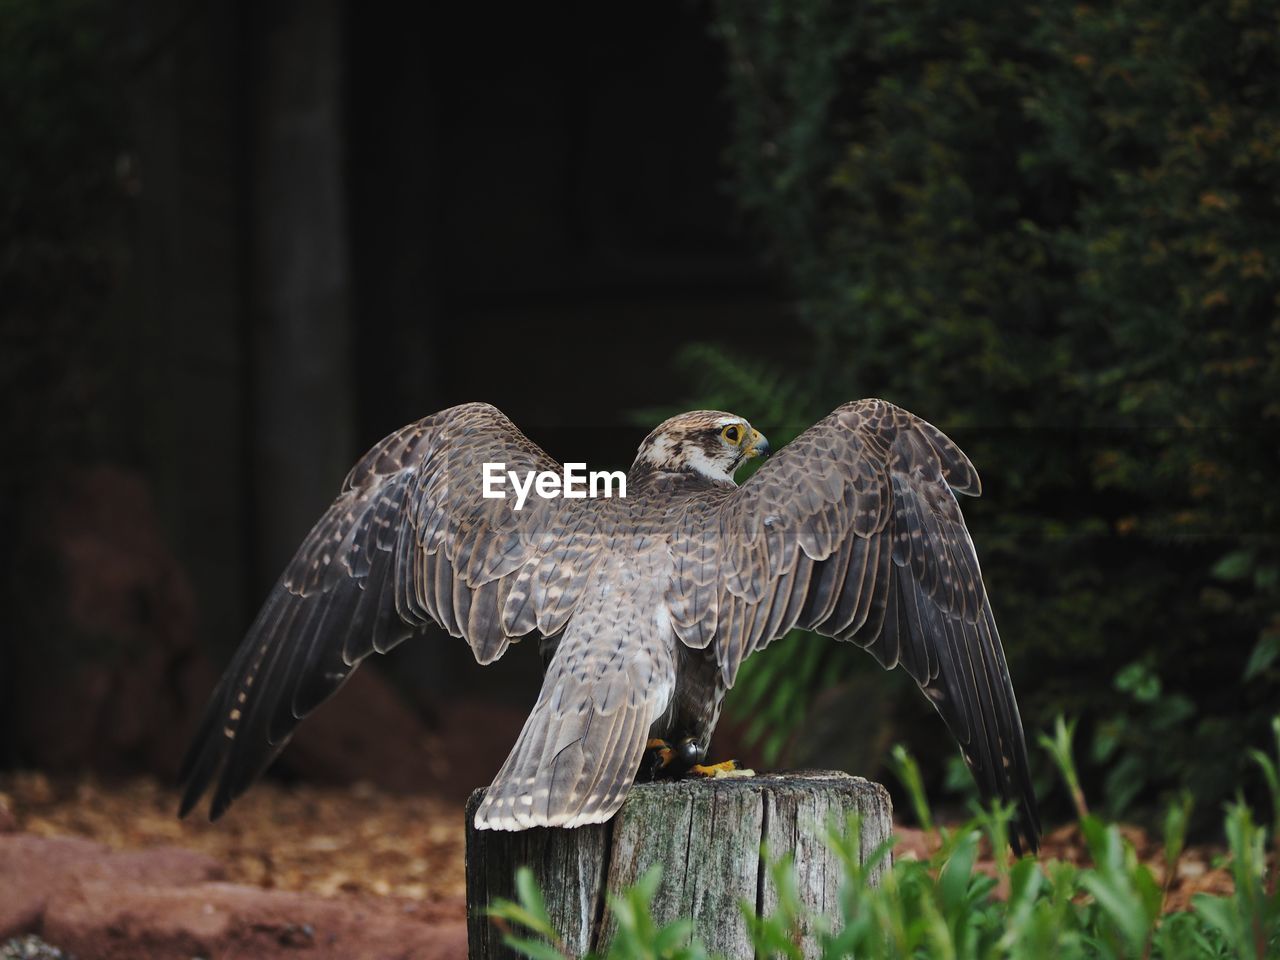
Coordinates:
[704,466]
[667,457]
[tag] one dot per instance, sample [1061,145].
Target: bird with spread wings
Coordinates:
[646,605]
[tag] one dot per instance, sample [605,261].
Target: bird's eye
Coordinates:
[732,433]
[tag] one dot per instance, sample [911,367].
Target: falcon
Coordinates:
[645,605]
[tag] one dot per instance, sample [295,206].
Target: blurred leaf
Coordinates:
[1234,566]
[1263,655]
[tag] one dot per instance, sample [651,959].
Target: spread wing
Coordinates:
[853,531]
[410,540]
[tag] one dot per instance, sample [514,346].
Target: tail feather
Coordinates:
[582,745]
[567,769]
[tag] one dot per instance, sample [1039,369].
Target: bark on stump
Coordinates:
[706,834]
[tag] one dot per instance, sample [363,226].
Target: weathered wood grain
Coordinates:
[706,834]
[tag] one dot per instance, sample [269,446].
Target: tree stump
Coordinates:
[706,834]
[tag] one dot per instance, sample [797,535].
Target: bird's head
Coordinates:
[707,443]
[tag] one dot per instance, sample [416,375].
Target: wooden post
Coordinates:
[706,834]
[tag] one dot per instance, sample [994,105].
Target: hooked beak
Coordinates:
[759,446]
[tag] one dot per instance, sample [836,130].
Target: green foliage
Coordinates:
[945,907]
[1050,230]
[638,937]
[909,773]
[1129,744]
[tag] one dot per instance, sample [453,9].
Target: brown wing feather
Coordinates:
[409,541]
[853,531]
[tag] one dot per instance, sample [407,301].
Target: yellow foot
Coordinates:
[726,768]
[664,751]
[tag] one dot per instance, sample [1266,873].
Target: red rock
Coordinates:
[34,871]
[367,732]
[19,912]
[217,920]
[31,861]
[8,822]
[108,680]
[164,904]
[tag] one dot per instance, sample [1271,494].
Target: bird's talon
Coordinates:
[658,757]
[663,751]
